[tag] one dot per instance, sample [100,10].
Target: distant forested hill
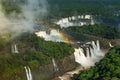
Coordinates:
[72,7]
[63,8]
[100,30]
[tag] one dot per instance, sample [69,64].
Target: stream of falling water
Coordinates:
[28,73]
[14,49]
[55,65]
[93,54]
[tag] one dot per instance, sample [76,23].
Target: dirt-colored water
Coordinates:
[69,74]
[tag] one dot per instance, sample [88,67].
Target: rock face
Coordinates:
[90,56]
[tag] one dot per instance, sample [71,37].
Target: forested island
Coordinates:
[101,30]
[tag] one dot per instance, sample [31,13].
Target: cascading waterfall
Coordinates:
[88,53]
[55,65]
[98,45]
[28,73]
[76,21]
[93,54]
[82,59]
[14,49]
[110,45]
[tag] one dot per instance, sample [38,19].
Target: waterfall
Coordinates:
[110,45]
[93,54]
[75,21]
[77,55]
[82,59]
[14,49]
[93,45]
[87,52]
[98,45]
[55,65]
[92,22]
[28,73]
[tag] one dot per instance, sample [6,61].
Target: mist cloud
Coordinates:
[16,24]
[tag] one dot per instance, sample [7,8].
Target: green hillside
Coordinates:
[33,52]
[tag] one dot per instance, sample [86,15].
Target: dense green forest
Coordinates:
[106,69]
[103,31]
[63,8]
[49,48]
[33,52]
[106,10]
[74,7]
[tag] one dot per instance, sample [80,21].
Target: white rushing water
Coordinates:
[28,73]
[93,54]
[54,35]
[79,20]
[55,65]
[14,49]
[110,45]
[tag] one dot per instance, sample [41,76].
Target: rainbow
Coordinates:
[54,36]
[64,37]
[60,36]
